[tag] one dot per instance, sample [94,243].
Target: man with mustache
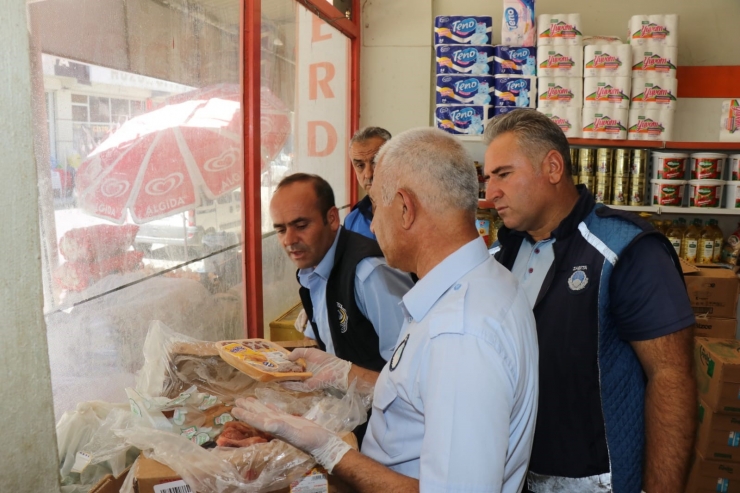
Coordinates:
[349,293]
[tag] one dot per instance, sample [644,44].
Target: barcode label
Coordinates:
[173,487]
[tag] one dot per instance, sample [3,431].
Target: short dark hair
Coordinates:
[368,133]
[324,192]
[536,135]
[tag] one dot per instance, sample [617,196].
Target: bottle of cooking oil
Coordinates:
[675,235]
[719,239]
[690,243]
[705,252]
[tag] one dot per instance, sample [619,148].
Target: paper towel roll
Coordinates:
[729,130]
[659,29]
[463,119]
[655,60]
[568,119]
[605,123]
[512,90]
[612,60]
[650,125]
[463,29]
[601,40]
[464,89]
[608,91]
[559,29]
[511,60]
[464,59]
[560,61]
[556,92]
[654,93]
[518,23]
[502,110]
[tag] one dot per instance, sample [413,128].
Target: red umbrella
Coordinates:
[161,162]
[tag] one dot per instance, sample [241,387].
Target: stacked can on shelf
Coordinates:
[639,165]
[668,184]
[587,167]
[621,177]
[603,184]
[614,176]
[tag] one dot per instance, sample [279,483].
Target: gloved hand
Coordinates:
[301,321]
[328,371]
[324,446]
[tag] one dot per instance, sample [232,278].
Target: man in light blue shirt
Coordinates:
[454,409]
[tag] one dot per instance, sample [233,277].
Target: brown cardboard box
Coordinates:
[150,473]
[713,291]
[709,476]
[718,437]
[717,328]
[110,483]
[283,328]
[717,364]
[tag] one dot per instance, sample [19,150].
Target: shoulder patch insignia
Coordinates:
[578,280]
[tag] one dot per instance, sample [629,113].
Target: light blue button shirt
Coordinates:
[378,292]
[456,404]
[531,266]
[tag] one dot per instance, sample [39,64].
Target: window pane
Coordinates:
[304,124]
[135,205]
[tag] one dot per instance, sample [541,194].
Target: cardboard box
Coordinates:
[711,476]
[283,327]
[717,364]
[717,328]
[713,292]
[718,436]
[150,473]
[110,483]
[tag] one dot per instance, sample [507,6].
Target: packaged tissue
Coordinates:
[560,61]
[568,119]
[464,59]
[515,91]
[653,29]
[511,60]
[559,29]
[465,89]
[730,122]
[607,91]
[654,93]
[502,110]
[611,60]
[463,30]
[463,119]
[601,40]
[605,123]
[650,124]
[519,26]
[654,60]
[555,92]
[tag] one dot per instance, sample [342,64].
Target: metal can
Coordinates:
[640,162]
[588,180]
[621,189]
[602,189]
[637,190]
[576,179]
[573,155]
[621,162]
[604,161]
[586,161]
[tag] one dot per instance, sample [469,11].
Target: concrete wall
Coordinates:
[28,457]
[397,57]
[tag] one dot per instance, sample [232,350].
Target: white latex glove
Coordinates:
[328,371]
[324,446]
[301,321]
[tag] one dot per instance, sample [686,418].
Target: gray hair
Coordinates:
[536,135]
[368,133]
[434,166]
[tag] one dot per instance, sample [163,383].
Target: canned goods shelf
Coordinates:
[658,209]
[637,144]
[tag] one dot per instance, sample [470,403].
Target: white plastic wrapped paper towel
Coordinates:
[614,60]
[560,61]
[608,91]
[650,124]
[518,26]
[568,119]
[730,122]
[559,29]
[654,93]
[557,92]
[605,123]
[654,60]
[659,29]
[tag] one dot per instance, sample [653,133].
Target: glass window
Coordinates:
[100,110]
[79,113]
[305,121]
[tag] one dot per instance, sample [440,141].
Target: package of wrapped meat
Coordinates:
[262,360]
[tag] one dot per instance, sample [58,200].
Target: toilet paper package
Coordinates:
[612,60]
[601,40]
[655,60]
[658,29]
[464,59]
[730,122]
[513,90]
[502,110]
[464,89]
[558,92]
[513,60]
[463,119]
[568,119]
[613,92]
[650,124]
[463,30]
[559,29]
[605,123]
[560,61]
[654,93]
[518,26]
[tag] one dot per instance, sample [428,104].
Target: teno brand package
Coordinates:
[515,91]
[464,59]
[509,60]
[462,119]
[464,89]
[469,30]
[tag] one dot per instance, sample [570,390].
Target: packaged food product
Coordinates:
[669,165]
[707,165]
[637,190]
[620,189]
[262,360]
[691,242]
[484,223]
[705,250]
[604,158]
[674,233]
[586,162]
[621,162]
[602,189]
[668,192]
[706,193]
[639,162]
[732,195]
[734,167]
[719,239]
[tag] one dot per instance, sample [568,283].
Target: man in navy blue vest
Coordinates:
[349,293]
[617,394]
[363,147]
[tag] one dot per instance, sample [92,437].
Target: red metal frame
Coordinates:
[250,42]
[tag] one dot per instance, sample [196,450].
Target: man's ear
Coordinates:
[407,203]
[554,166]
[332,218]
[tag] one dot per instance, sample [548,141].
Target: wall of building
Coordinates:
[28,457]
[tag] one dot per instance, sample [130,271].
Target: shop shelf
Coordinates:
[636,208]
[689,211]
[636,144]
[704,146]
[484,204]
